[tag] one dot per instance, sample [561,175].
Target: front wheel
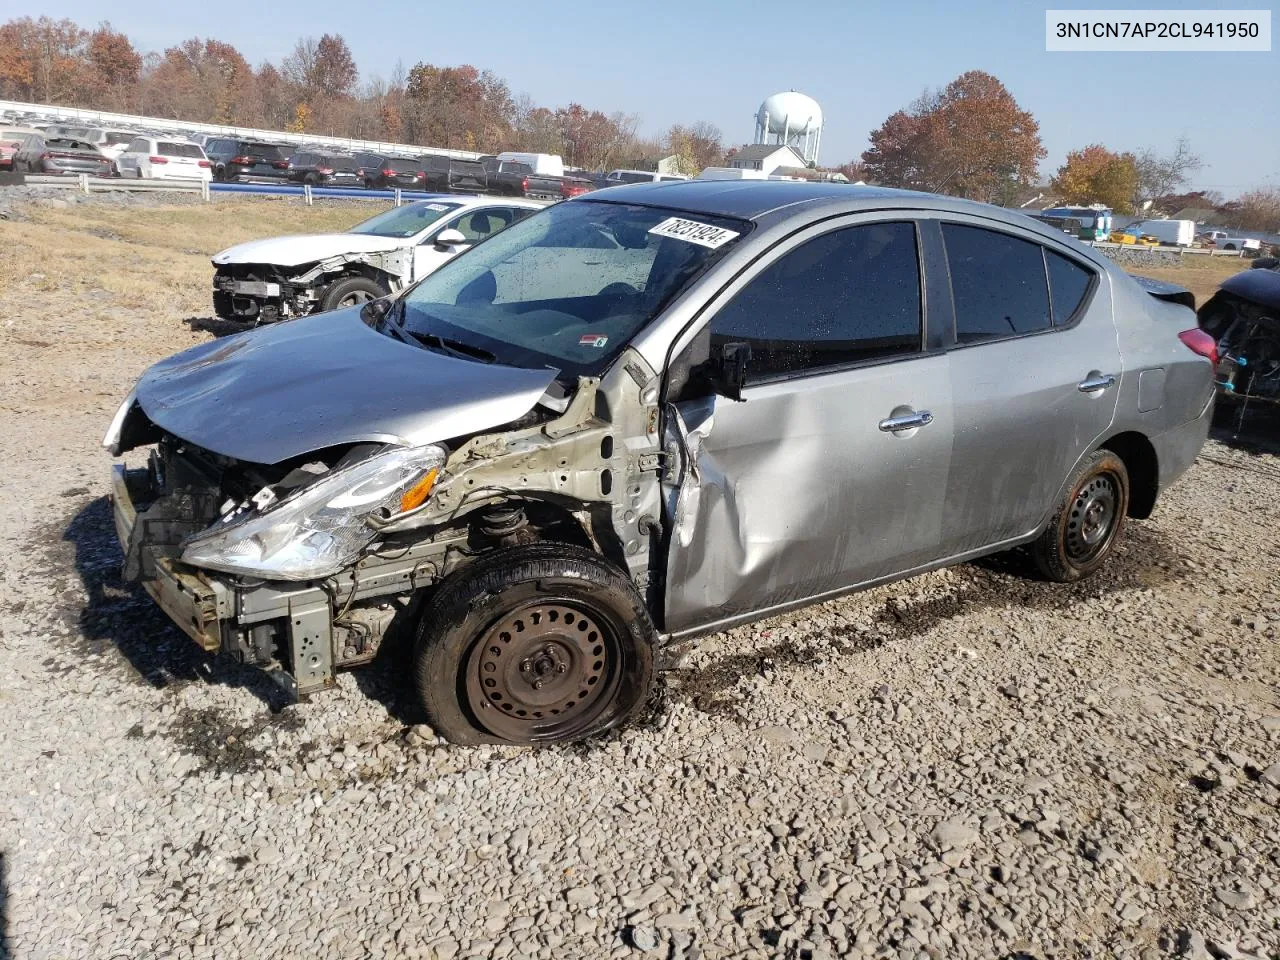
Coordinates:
[351,292]
[1089,520]
[539,644]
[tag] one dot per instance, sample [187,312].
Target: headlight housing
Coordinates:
[320,529]
[111,440]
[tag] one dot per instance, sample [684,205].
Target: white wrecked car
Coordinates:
[283,277]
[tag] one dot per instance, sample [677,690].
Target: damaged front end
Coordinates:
[305,566]
[1244,318]
[265,293]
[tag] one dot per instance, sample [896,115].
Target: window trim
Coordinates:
[951,340]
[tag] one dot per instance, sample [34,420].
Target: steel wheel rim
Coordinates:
[355,298]
[544,670]
[1092,518]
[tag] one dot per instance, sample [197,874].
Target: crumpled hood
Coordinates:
[304,248]
[291,388]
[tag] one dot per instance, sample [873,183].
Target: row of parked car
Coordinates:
[52,149]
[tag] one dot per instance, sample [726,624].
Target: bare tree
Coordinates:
[1159,176]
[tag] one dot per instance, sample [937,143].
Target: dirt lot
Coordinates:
[968,764]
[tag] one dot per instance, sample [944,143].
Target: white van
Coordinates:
[1172,233]
[540,164]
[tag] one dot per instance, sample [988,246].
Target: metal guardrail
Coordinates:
[87,184]
[1194,251]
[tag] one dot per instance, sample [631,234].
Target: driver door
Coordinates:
[832,471]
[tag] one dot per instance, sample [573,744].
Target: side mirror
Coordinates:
[729,370]
[450,238]
[375,310]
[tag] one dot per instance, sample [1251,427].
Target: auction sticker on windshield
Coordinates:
[592,340]
[437,206]
[691,231]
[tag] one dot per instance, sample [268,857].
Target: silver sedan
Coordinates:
[648,413]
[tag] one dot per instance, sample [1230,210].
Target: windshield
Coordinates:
[568,287]
[404,222]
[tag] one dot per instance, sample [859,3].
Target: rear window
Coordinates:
[338,163]
[511,166]
[180,150]
[403,166]
[118,136]
[1068,286]
[268,151]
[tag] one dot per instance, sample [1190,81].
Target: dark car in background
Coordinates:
[64,156]
[513,178]
[380,171]
[453,175]
[319,168]
[237,159]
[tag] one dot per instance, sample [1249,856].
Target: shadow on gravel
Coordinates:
[1144,560]
[1254,428]
[217,327]
[124,615]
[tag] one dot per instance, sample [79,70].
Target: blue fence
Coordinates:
[294,190]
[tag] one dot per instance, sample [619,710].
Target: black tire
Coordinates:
[310,180]
[220,174]
[351,292]
[545,643]
[1088,522]
[1229,246]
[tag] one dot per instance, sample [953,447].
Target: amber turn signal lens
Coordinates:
[417,495]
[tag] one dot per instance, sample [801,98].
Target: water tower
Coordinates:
[791,119]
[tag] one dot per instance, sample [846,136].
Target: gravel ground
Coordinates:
[967,764]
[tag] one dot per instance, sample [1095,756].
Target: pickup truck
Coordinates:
[284,277]
[1221,240]
[512,178]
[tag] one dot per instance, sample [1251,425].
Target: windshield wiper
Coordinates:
[457,348]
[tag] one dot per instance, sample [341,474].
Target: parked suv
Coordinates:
[647,414]
[234,159]
[380,171]
[452,175]
[319,168]
[164,158]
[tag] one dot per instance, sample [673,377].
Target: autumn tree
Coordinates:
[321,68]
[203,80]
[697,146]
[115,67]
[970,139]
[1096,175]
[443,103]
[43,60]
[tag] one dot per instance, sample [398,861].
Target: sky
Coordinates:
[681,62]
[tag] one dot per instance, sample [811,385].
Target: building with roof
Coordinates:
[766,157]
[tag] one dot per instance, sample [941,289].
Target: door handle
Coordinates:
[1096,383]
[906,421]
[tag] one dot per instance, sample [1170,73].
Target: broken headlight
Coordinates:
[111,441]
[321,528]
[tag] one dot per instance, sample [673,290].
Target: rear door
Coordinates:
[1034,370]
[832,470]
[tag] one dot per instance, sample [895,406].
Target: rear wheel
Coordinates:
[350,292]
[1088,522]
[539,644]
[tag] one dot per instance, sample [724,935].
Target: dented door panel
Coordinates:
[798,492]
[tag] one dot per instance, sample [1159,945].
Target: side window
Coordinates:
[480,224]
[1068,286]
[846,296]
[997,282]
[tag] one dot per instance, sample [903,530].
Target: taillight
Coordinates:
[203,163]
[46,156]
[281,164]
[158,159]
[325,170]
[1200,342]
[243,161]
[524,184]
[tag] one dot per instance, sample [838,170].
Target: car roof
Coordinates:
[756,199]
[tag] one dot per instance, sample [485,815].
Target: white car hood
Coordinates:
[292,251]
